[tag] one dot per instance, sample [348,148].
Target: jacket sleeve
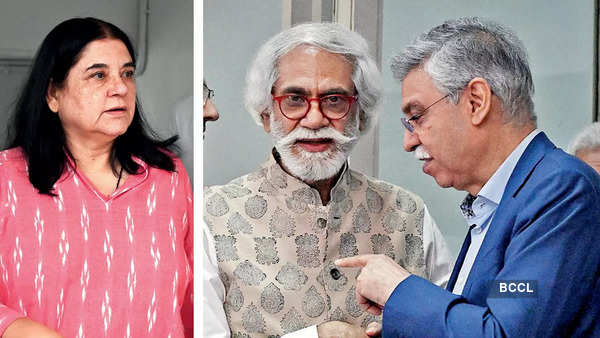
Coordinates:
[554,241]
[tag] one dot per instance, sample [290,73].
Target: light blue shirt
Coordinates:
[485,205]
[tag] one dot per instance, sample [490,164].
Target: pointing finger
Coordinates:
[353,262]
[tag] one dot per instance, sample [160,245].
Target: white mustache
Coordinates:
[421,153]
[306,134]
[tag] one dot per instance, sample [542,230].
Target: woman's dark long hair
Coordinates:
[38,131]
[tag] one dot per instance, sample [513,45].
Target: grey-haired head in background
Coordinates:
[331,37]
[587,139]
[457,51]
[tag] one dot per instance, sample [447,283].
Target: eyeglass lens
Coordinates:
[333,106]
[408,123]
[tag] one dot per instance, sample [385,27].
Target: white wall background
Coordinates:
[168,76]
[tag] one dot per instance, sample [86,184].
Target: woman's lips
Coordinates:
[314,145]
[116,111]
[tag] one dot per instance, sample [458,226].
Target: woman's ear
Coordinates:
[51,97]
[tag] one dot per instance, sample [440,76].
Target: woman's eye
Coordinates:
[128,74]
[98,75]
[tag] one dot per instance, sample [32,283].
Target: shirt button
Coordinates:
[335,273]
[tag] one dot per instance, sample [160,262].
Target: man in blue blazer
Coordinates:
[530,265]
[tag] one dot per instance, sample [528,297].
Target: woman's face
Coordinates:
[96,102]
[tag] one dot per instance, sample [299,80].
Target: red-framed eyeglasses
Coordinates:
[334,107]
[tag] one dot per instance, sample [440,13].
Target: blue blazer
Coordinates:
[547,230]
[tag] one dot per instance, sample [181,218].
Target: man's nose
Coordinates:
[314,119]
[410,141]
[210,112]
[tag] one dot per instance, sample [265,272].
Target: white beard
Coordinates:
[314,166]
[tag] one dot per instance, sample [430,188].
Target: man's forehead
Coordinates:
[311,50]
[417,79]
[417,87]
[311,67]
[304,55]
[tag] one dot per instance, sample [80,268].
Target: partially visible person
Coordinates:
[277,230]
[586,146]
[184,123]
[213,314]
[209,110]
[530,262]
[95,211]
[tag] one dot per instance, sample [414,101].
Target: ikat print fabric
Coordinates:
[276,244]
[89,265]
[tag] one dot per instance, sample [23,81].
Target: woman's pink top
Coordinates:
[89,265]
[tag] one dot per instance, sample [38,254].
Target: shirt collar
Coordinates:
[475,207]
[132,181]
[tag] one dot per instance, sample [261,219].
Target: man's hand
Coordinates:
[377,280]
[374,329]
[340,329]
[27,328]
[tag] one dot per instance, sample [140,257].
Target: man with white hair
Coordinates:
[278,230]
[586,146]
[530,263]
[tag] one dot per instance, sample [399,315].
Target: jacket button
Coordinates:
[321,222]
[335,273]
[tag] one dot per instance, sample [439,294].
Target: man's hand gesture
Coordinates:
[377,280]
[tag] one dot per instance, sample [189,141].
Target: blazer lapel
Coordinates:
[492,249]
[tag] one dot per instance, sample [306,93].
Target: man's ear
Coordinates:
[479,96]
[266,121]
[362,125]
[51,97]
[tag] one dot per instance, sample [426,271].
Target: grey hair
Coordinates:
[457,51]
[331,37]
[587,139]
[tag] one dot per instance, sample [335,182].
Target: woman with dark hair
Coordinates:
[96,231]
